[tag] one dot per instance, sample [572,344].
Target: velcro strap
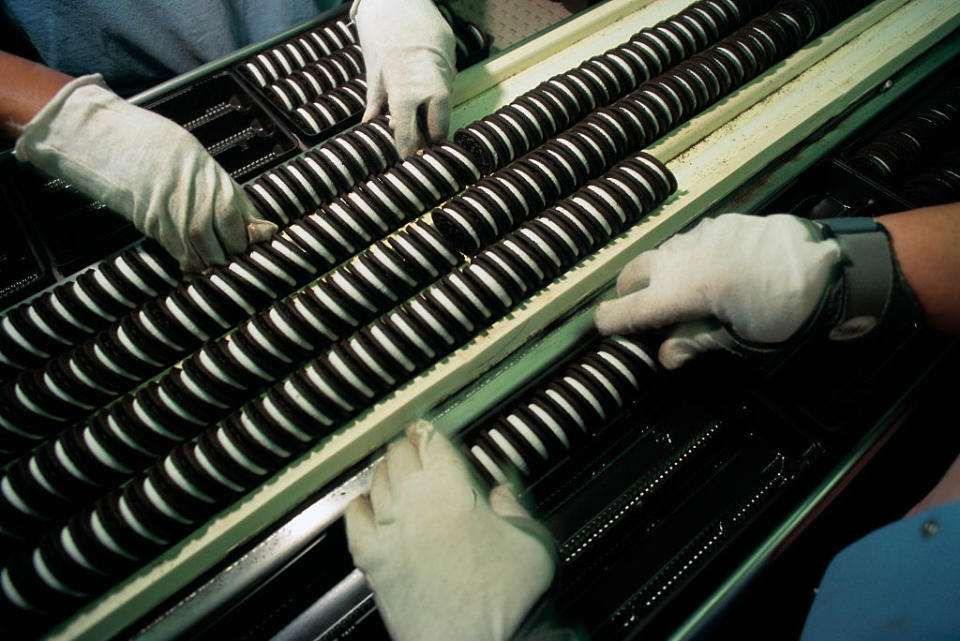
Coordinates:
[868,274]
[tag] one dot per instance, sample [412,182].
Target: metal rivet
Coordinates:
[929,528]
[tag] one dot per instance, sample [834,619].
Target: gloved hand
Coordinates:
[409,52]
[445,563]
[730,279]
[146,168]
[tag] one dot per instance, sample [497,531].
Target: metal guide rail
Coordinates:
[771,116]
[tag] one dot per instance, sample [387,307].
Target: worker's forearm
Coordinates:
[25,87]
[927,245]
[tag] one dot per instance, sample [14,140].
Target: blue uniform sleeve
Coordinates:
[901,582]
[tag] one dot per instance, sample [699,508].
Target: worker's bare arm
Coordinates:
[25,87]
[926,242]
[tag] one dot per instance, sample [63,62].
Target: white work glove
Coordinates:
[730,280]
[409,52]
[147,169]
[444,563]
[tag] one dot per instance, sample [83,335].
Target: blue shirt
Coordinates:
[137,43]
[898,583]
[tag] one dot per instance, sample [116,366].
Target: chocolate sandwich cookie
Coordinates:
[590,402]
[595,388]
[225,463]
[89,463]
[117,444]
[380,344]
[190,467]
[181,498]
[154,512]
[665,106]
[67,385]
[270,205]
[701,82]
[551,241]
[26,505]
[125,529]
[156,408]
[22,575]
[333,308]
[570,405]
[595,151]
[550,417]
[491,207]
[251,447]
[196,377]
[550,116]
[590,223]
[509,284]
[295,413]
[228,365]
[403,330]
[539,429]
[463,226]
[124,421]
[612,379]
[613,199]
[590,85]
[493,286]
[297,196]
[116,353]
[486,151]
[159,323]
[467,294]
[526,130]
[384,286]
[23,341]
[427,313]
[575,237]
[264,282]
[328,382]
[517,446]
[224,297]
[135,338]
[177,396]
[43,313]
[257,358]
[651,50]
[616,78]
[189,315]
[364,300]
[83,537]
[342,165]
[374,362]
[311,391]
[37,398]
[336,234]
[523,274]
[512,195]
[93,368]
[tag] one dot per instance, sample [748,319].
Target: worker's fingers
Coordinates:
[651,307]
[635,276]
[402,460]
[504,502]
[376,97]
[403,120]
[692,339]
[381,498]
[361,526]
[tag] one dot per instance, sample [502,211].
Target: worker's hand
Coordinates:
[445,562]
[146,168]
[732,282]
[410,56]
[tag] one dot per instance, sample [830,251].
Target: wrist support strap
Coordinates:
[868,276]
